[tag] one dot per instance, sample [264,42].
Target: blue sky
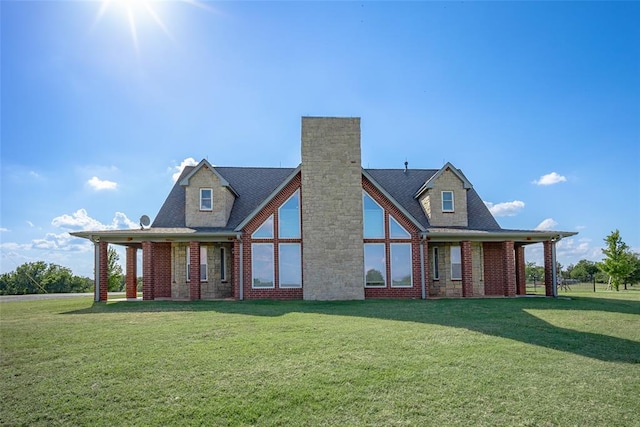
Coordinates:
[537,102]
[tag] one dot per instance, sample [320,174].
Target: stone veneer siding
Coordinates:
[214,287]
[445,286]
[223,200]
[431,201]
[333,258]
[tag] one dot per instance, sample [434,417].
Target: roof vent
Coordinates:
[406,166]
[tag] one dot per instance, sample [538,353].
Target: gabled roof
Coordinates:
[204,163]
[433,178]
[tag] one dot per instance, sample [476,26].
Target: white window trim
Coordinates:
[273,279]
[280,285]
[410,285]
[436,260]
[383,221]
[206,189]
[270,217]
[297,192]
[408,235]
[452,263]
[203,256]
[384,273]
[453,203]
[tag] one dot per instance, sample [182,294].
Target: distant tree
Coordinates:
[618,263]
[534,272]
[39,278]
[114,272]
[634,276]
[374,277]
[585,271]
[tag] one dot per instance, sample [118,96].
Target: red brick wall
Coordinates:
[493,269]
[415,291]
[147,271]
[548,268]
[270,209]
[104,271]
[467,271]
[509,263]
[132,271]
[194,270]
[162,269]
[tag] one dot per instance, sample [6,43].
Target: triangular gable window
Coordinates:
[265,231]
[396,230]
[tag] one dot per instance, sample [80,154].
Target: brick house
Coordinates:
[326,230]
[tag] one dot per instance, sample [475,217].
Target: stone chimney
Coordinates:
[333,253]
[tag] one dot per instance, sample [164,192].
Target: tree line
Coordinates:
[620,266]
[42,278]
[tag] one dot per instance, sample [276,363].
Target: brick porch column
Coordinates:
[509,266]
[103,271]
[194,270]
[235,268]
[132,272]
[467,271]
[548,267]
[521,277]
[148,278]
[425,267]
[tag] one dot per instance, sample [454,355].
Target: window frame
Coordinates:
[410,262]
[298,235]
[210,198]
[253,265]
[280,259]
[384,266]
[203,250]
[364,219]
[223,264]
[436,263]
[459,251]
[453,206]
[270,219]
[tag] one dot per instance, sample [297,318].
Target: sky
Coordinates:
[102,103]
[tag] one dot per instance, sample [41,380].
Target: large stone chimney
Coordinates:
[333,253]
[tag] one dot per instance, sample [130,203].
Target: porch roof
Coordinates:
[452,234]
[158,234]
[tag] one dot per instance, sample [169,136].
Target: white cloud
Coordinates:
[3,230]
[80,220]
[547,224]
[30,224]
[189,161]
[100,184]
[550,179]
[505,208]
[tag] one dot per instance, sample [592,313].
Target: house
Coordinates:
[326,230]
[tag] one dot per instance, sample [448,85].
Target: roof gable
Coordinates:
[447,167]
[204,163]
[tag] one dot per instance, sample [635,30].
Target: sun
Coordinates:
[134,10]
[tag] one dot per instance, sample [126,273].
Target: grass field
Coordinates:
[508,362]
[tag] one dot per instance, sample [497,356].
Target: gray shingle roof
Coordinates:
[254,185]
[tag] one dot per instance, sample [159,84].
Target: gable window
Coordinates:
[436,262]
[265,231]
[447,201]
[206,199]
[203,264]
[262,265]
[456,263]
[289,217]
[401,276]
[396,231]
[375,265]
[373,218]
[289,265]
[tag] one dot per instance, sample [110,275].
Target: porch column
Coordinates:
[467,270]
[425,268]
[194,270]
[521,277]
[509,266]
[548,267]
[236,268]
[102,272]
[132,271]
[148,278]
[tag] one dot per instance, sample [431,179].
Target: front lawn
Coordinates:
[523,361]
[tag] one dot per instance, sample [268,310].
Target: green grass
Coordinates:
[515,362]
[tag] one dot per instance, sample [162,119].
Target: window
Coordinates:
[203,264]
[373,218]
[262,270]
[396,231]
[401,275]
[265,231]
[375,266]
[206,199]
[447,201]
[289,218]
[290,265]
[223,264]
[456,263]
[436,261]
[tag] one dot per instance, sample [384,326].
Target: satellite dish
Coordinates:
[144,222]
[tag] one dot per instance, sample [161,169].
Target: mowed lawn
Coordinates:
[505,362]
